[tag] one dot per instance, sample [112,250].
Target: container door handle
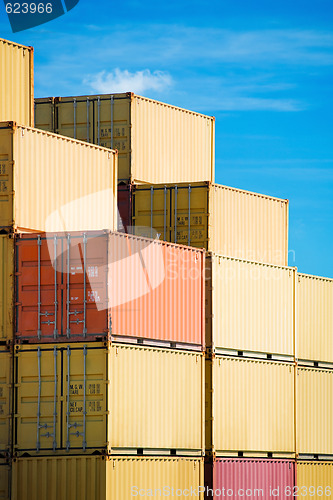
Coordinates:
[55,332]
[165,200]
[74,109]
[98,120]
[39,332]
[68,385]
[176,198]
[111,123]
[151,210]
[68,329]
[88,102]
[189,216]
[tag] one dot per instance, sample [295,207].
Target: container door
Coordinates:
[6,179]
[74,118]
[189,215]
[38,399]
[85,310]
[5,400]
[39,289]
[84,388]
[6,287]
[152,212]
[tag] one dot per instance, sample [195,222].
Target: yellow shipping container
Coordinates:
[249,307]
[5,401]
[52,183]
[5,480]
[100,478]
[251,407]
[315,318]
[157,142]
[16,83]
[315,479]
[218,218]
[314,432]
[6,287]
[109,398]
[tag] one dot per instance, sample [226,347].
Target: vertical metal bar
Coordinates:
[68,386]
[111,124]
[55,399]
[39,397]
[165,201]
[98,119]
[176,198]
[151,210]
[84,285]
[39,332]
[189,216]
[75,105]
[55,331]
[88,102]
[84,443]
[68,329]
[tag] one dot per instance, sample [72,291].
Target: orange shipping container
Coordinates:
[104,285]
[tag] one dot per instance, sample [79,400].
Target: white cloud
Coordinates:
[125,81]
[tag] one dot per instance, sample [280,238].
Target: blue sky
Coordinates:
[263,69]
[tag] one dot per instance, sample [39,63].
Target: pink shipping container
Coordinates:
[108,286]
[250,478]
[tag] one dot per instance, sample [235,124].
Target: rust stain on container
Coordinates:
[17,83]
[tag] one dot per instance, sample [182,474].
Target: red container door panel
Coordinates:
[38,281]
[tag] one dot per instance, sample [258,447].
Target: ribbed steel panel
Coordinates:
[52,183]
[134,397]
[16,83]
[97,478]
[254,478]
[314,432]
[125,207]
[252,406]
[45,114]
[221,219]
[6,287]
[5,480]
[250,306]
[134,288]
[157,142]
[315,479]
[315,318]
[6,367]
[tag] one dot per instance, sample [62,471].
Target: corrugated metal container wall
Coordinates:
[134,397]
[97,478]
[17,83]
[224,220]
[4,480]
[259,477]
[134,288]
[156,142]
[253,406]
[6,287]
[52,183]
[125,207]
[5,401]
[315,318]
[250,306]
[314,389]
[315,479]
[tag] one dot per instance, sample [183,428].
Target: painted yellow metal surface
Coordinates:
[157,142]
[253,406]
[314,479]
[314,389]
[250,306]
[315,318]
[134,397]
[6,287]
[100,478]
[17,83]
[5,480]
[220,219]
[5,400]
[52,183]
